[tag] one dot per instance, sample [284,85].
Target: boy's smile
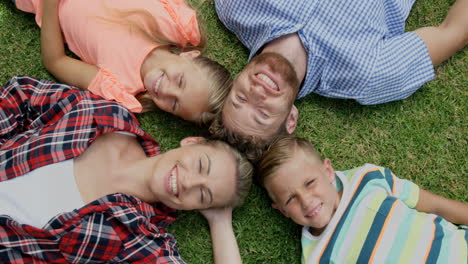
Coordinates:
[302,189]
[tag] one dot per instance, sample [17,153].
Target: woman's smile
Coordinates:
[172,181]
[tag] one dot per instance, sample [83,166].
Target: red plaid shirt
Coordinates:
[42,122]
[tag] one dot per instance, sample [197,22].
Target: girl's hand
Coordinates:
[66,69]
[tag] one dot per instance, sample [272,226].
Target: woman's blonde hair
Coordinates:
[280,152]
[244,171]
[148,28]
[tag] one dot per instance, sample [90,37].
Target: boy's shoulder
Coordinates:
[365,169]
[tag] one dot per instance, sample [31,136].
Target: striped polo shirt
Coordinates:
[376,222]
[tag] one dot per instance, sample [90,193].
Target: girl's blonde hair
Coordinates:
[148,28]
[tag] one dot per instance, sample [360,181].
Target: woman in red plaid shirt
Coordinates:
[77,151]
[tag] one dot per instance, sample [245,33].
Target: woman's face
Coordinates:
[194,177]
[177,85]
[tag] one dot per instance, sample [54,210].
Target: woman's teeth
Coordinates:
[173,181]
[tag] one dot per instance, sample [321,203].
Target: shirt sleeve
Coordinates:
[181,26]
[98,237]
[24,99]
[106,85]
[405,190]
[103,237]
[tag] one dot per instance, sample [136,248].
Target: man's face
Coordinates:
[262,96]
[302,189]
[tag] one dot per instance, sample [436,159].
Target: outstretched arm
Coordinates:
[450,36]
[451,210]
[66,69]
[225,249]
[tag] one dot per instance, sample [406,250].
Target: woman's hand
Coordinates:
[225,249]
[217,214]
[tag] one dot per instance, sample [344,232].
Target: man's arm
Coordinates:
[66,69]
[225,249]
[450,36]
[451,210]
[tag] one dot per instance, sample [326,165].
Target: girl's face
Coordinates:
[194,177]
[177,85]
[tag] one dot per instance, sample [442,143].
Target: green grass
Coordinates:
[422,138]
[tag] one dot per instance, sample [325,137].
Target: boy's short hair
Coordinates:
[280,152]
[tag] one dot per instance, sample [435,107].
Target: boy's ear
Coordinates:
[190,140]
[329,168]
[192,54]
[275,206]
[291,120]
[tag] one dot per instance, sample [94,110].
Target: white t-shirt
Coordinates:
[34,198]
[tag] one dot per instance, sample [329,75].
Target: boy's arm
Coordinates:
[225,249]
[451,210]
[66,69]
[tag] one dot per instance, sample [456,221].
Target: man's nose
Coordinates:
[257,92]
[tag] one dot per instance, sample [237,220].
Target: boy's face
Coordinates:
[302,189]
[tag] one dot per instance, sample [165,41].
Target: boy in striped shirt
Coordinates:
[361,215]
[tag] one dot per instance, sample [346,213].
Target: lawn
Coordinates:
[422,138]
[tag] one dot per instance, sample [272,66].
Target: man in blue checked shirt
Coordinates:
[345,49]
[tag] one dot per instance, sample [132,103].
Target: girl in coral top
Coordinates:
[144,54]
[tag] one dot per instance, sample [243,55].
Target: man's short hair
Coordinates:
[252,147]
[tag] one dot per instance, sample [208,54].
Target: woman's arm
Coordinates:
[451,210]
[225,249]
[23,99]
[65,69]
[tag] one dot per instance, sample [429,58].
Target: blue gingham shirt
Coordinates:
[356,49]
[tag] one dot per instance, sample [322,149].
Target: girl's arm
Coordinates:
[225,249]
[65,69]
[451,210]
